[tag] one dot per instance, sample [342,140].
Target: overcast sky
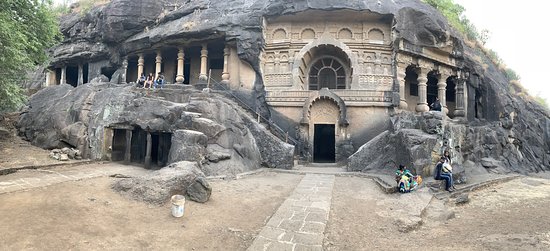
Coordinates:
[518,35]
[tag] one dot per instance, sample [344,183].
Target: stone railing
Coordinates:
[278,80]
[375,82]
[351,97]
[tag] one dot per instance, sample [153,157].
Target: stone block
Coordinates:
[280,246]
[291,225]
[308,239]
[272,233]
[300,247]
[317,217]
[313,227]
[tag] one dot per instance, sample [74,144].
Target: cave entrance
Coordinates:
[450,96]
[131,145]
[108,72]
[119,145]
[72,75]
[85,73]
[324,143]
[432,94]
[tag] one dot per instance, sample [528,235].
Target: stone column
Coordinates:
[401,74]
[48,78]
[148,150]
[158,61]
[422,105]
[124,70]
[225,73]
[181,57]
[204,61]
[442,92]
[80,80]
[141,62]
[459,98]
[63,79]
[128,150]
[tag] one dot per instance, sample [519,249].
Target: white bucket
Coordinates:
[178,205]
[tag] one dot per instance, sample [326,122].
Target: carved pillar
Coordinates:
[141,62]
[124,70]
[48,78]
[148,150]
[422,105]
[401,74]
[459,98]
[204,60]
[80,80]
[442,91]
[158,61]
[63,79]
[128,152]
[225,73]
[181,57]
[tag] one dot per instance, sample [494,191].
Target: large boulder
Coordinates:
[156,188]
[188,145]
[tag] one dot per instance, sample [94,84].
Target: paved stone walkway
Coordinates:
[41,177]
[300,221]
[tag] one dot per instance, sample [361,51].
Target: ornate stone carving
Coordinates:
[375,82]
[324,111]
[278,80]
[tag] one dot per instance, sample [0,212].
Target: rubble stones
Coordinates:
[65,154]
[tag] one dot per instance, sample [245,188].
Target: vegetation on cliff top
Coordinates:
[27,29]
[455,15]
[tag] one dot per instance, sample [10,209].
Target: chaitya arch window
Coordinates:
[327,73]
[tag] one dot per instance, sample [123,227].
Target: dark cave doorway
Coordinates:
[324,143]
[161,142]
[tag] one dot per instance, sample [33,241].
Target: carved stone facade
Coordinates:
[350,59]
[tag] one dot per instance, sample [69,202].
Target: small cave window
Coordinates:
[327,73]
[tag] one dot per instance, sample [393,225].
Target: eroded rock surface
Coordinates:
[156,188]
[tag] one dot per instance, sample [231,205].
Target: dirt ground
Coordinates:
[88,214]
[15,152]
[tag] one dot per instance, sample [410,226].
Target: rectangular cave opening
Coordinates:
[160,143]
[72,75]
[119,145]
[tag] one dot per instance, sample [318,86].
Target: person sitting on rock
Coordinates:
[149,81]
[141,80]
[406,181]
[440,174]
[159,81]
[436,105]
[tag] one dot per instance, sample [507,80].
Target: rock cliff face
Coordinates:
[513,134]
[207,129]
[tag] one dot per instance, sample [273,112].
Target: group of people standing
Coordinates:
[407,182]
[149,81]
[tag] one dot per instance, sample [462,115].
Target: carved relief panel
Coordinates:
[324,112]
